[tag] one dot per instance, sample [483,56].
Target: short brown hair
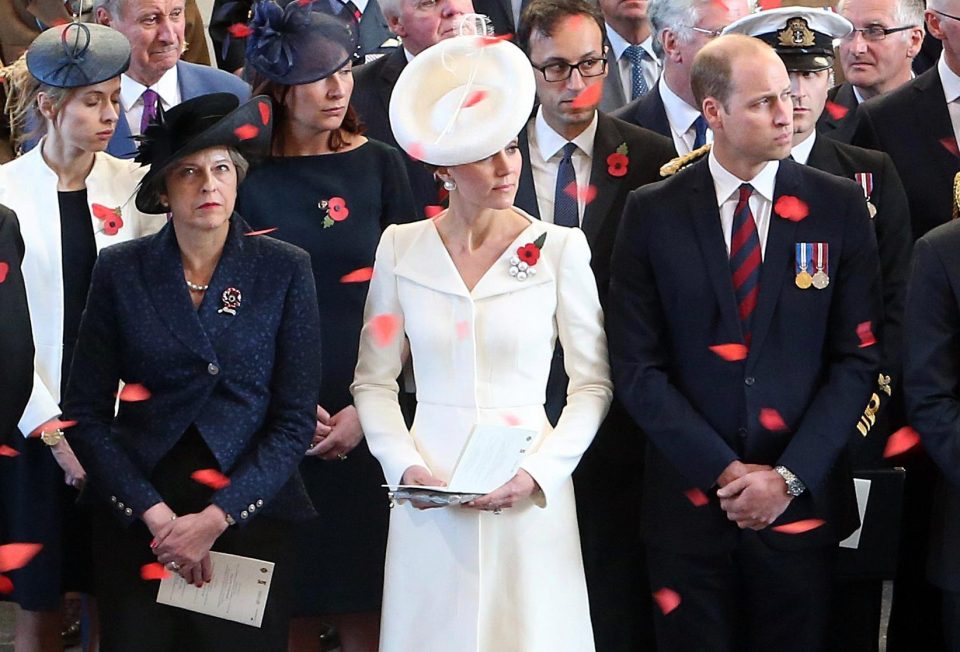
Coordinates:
[711,76]
[542,16]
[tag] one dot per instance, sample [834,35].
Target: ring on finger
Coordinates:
[497,510]
[174,566]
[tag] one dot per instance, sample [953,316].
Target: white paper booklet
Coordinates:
[237,592]
[490,458]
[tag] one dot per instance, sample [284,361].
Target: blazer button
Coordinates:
[749,381]
[120,505]
[213,369]
[244,514]
[259,503]
[128,511]
[113,499]
[742,432]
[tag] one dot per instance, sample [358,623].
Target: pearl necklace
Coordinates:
[196,288]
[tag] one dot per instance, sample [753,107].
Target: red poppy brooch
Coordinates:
[111,218]
[618,163]
[335,210]
[522,265]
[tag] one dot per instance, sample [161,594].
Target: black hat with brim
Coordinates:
[214,120]
[78,54]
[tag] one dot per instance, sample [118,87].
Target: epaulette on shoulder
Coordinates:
[675,165]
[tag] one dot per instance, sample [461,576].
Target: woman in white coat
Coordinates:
[482,293]
[72,199]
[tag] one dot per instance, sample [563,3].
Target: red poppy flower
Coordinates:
[337,209]
[112,219]
[529,253]
[617,164]
[112,225]
[791,208]
[4,270]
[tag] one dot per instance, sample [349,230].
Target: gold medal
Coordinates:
[820,280]
[804,280]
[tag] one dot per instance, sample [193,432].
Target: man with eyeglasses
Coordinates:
[876,58]
[579,166]
[419,24]
[682,27]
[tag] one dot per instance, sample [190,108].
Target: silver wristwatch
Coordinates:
[795,486]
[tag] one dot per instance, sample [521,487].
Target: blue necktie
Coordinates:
[635,54]
[565,211]
[701,126]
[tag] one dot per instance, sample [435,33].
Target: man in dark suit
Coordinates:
[670,108]
[633,65]
[876,58]
[157,76]
[16,340]
[932,376]
[419,24]
[746,361]
[579,165]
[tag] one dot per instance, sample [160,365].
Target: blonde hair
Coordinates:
[21,108]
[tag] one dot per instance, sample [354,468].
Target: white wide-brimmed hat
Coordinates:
[462,100]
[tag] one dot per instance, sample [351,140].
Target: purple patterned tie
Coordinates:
[150,98]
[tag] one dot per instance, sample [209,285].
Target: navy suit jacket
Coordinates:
[648,112]
[248,382]
[16,339]
[671,299]
[840,128]
[912,125]
[931,367]
[194,80]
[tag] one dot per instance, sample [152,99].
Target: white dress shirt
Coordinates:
[546,150]
[131,101]
[801,152]
[727,186]
[681,117]
[951,92]
[650,64]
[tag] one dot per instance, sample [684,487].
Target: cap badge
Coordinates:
[796,34]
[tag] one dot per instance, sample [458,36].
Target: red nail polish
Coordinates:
[153,544]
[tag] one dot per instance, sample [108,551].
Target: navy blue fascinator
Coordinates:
[78,54]
[292,42]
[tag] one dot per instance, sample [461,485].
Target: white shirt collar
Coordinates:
[949,79]
[801,152]
[166,87]
[408,55]
[679,114]
[618,44]
[549,142]
[726,183]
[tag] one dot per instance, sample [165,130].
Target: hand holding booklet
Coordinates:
[490,458]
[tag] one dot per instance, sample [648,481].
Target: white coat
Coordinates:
[29,187]
[460,580]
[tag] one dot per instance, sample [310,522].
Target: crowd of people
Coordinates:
[715,290]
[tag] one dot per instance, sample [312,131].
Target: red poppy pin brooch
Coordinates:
[335,210]
[618,163]
[111,217]
[522,265]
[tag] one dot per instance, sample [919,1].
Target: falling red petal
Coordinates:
[432,211]
[261,232]
[17,555]
[799,527]
[865,333]
[901,441]
[463,330]
[246,132]
[6,586]
[721,5]
[772,421]
[133,392]
[511,419]
[697,497]
[358,275]
[585,193]
[239,30]
[769,4]
[731,352]
[154,571]
[264,112]
[475,98]
[53,424]
[4,270]
[836,111]
[385,328]
[490,40]
[588,98]
[6,451]
[791,208]
[950,144]
[415,151]
[667,600]
[211,478]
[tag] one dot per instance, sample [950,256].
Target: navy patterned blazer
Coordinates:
[248,382]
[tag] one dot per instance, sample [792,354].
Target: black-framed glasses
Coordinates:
[561,70]
[937,11]
[712,33]
[877,33]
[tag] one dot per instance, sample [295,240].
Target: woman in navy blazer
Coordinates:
[216,336]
